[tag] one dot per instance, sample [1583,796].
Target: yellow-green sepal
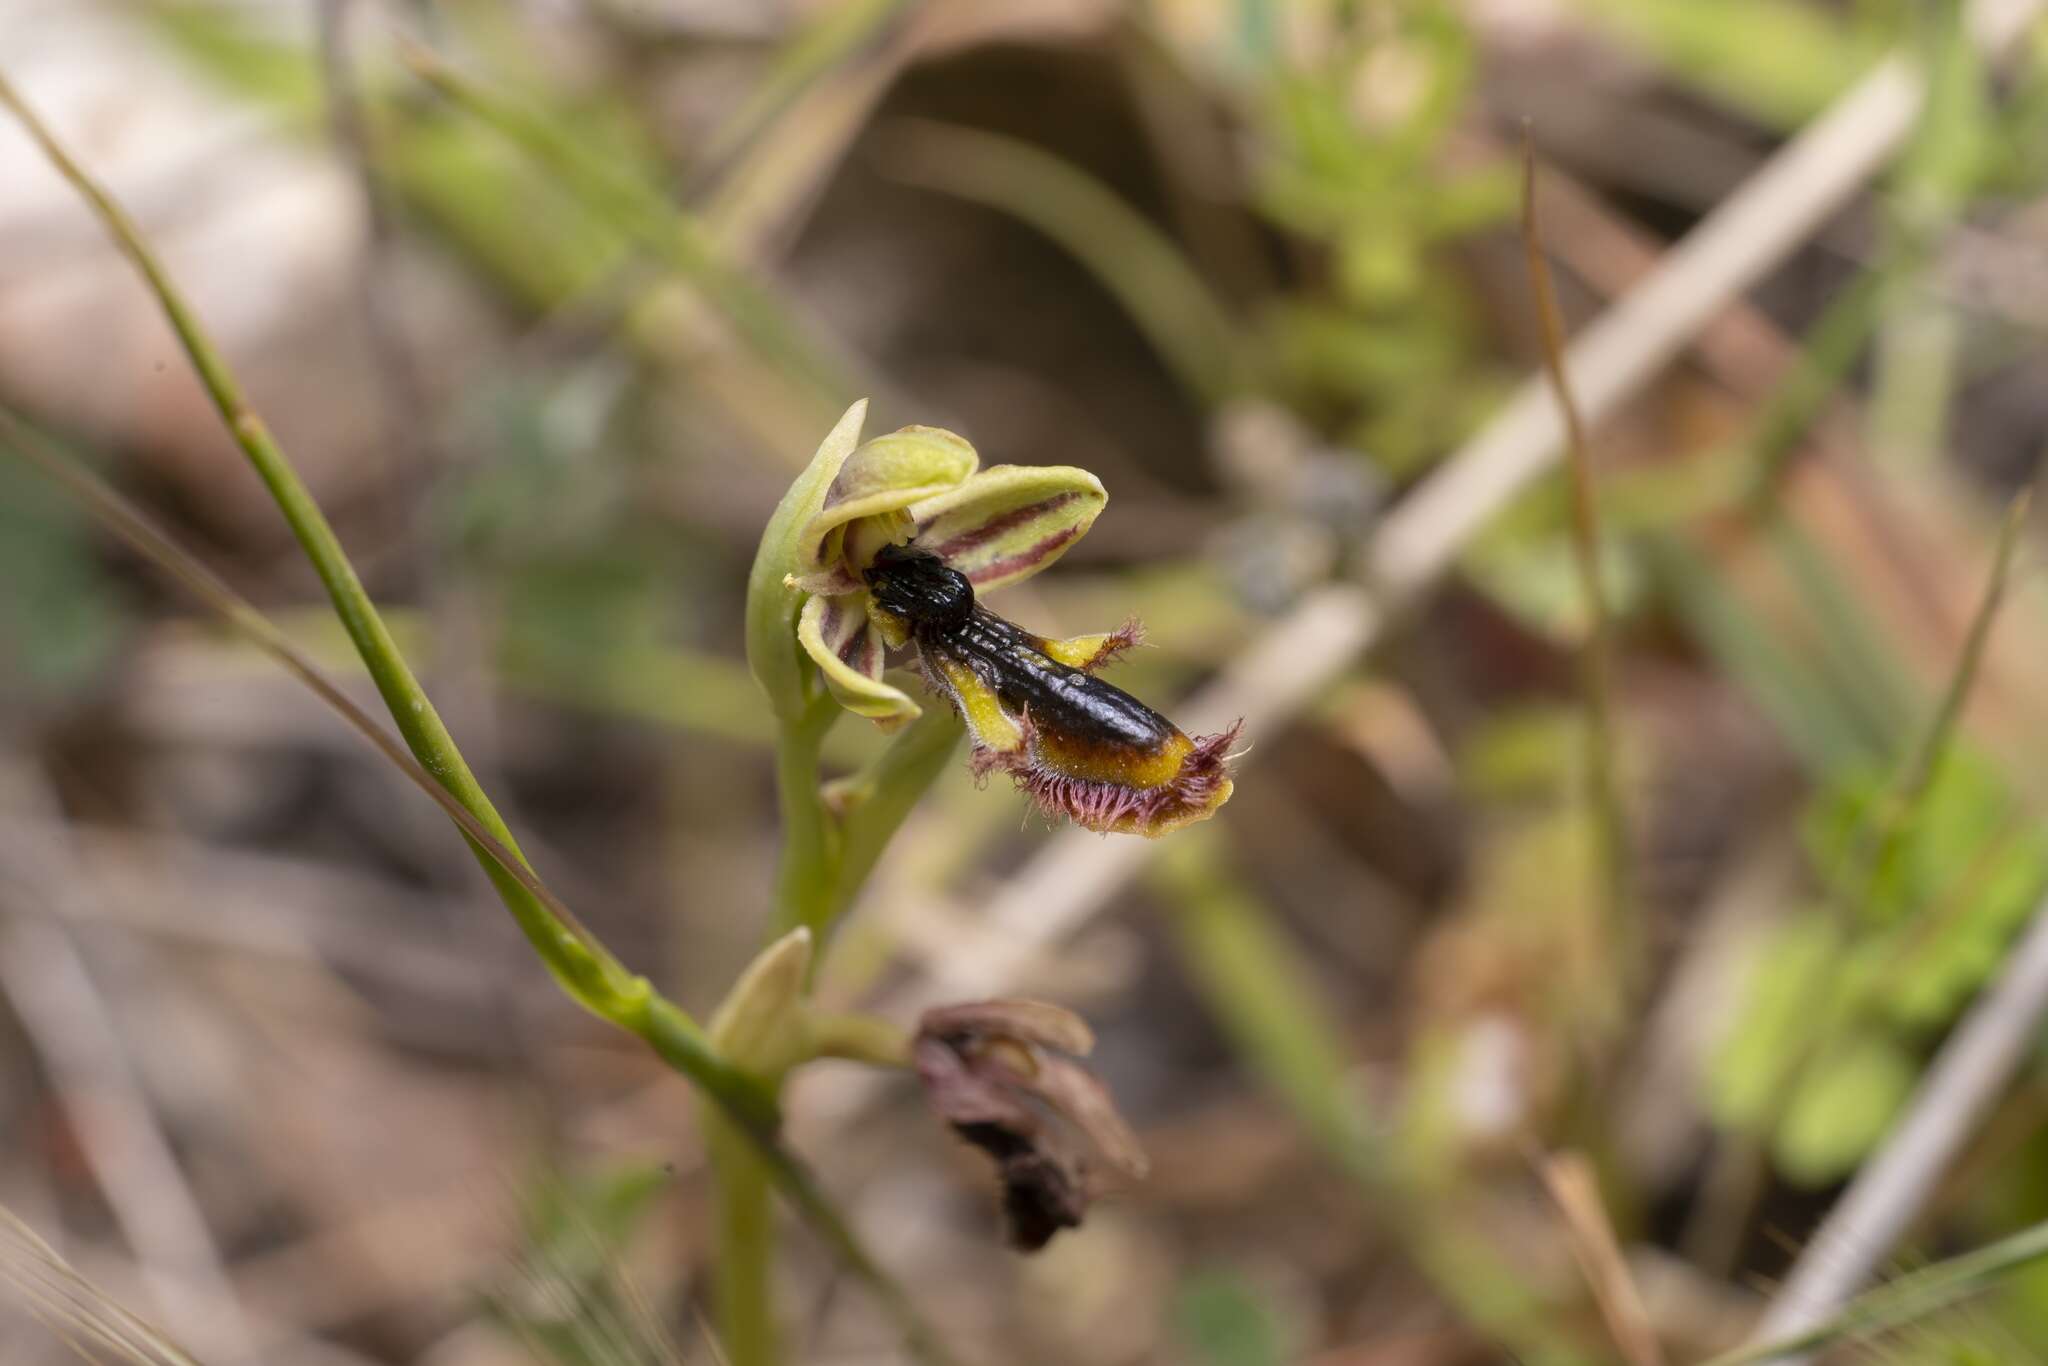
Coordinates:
[772,603]
[867,496]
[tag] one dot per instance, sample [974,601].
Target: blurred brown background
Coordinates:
[280,1075]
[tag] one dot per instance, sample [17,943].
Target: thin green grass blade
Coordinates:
[1895,817]
[1596,664]
[1917,359]
[575,956]
[1908,1299]
[836,35]
[74,1308]
[1826,353]
[1850,649]
[1809,720]
[582,972]
[1265,1000]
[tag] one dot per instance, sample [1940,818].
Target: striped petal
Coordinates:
[836,632]
[878,481]
[1009,521]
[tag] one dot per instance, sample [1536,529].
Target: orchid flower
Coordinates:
[893,543]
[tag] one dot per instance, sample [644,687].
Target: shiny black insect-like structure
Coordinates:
[937,603]
[1087,749]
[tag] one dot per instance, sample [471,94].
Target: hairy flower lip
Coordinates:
[1080,747]
[1200,785]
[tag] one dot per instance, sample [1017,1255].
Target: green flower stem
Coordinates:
[860,1038]
[618,995]
[811,844]
[834,835]
[803,876]
[680,1041]
[743,1224]
[586,969]
[885,794]
[825,861]
[831,846]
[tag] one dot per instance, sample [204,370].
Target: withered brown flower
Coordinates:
[1003,1074]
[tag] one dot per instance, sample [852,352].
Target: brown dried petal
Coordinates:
[1079,1095]
[1037,1022]
[1041,1194]
[964,1095]
[1043,1190]
[986,1067]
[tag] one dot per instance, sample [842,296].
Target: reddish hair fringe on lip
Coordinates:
[1195,790]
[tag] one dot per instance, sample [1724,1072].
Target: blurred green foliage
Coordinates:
[1385,341]
[534,237]
[1781,61]
[1846,998]
[1222,1321]
[63,612]
[555,523]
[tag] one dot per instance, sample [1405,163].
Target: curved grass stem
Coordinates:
[1909,1299]
[1597,659]
[585,967]
[410,708]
